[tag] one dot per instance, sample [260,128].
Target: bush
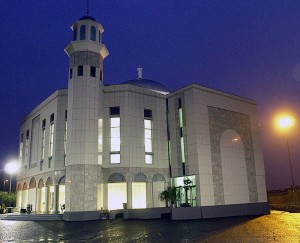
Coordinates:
[8,199]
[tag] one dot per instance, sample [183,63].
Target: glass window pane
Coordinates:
[139,195]
[115,144]
[82,32]
[147,124]
[115,132]
[148,145]
[180,117]
[115,158]
[182,150]
[93,33]
[115,122]
[116,195]
[148,133]
[148,159]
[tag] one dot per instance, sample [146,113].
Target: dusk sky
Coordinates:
[247,48]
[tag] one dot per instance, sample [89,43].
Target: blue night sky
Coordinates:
[247,48]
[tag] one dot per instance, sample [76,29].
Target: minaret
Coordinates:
[86,53]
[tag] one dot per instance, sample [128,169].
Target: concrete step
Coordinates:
[31,217]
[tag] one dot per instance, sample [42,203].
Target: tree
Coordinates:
[8,199]
[168,195]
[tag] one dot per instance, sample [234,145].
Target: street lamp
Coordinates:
[11,168]
[285,123]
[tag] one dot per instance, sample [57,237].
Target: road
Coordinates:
[276,227]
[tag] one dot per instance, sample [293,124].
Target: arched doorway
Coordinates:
[61,194]
[139,191]
[24,196]
[158,186]
[32,193]
[19,196]
[116,191]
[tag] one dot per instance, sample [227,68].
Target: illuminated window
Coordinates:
[100,140]
[21,149]
[138,194]
[116,195]
[93,33]
[27,148]
[65,136]
[43,139]
[115,135]
[180,117]
[82,32]
[148,136]
[51,137]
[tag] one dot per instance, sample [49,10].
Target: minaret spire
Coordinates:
[87,7]
[140,72]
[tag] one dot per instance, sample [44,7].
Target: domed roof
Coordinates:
[149,84]
[87,17]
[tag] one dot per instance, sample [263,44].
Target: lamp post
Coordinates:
[285,123]
[11,168]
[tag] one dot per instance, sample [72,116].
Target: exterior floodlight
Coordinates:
[286,122]
[11,168]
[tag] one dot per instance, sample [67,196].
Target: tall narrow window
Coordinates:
[93,33]
[93,71]
[27,148]
[100,140]
[182,146]
[80,71]
[21,150]
[43,139]
[99,37]
[75,34]
[148,136]
[82,32]
[115,135]
[65,136]
[101,75]
[71,73]
[51,140]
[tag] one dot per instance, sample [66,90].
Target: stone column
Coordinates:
[46,206]
[55,201]
[105,196]
[149,194]
[129,195]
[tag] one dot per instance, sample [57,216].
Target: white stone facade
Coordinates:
[94,147]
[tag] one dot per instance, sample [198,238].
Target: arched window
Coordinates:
[75,34]
[82,32]
[93,33]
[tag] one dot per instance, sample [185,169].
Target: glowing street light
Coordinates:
[285,123]
[11,168]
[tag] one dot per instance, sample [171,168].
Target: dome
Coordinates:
[149,84]
[87,17]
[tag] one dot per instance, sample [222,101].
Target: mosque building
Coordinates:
[94,147]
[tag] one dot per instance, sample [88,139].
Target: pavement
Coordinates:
[279,226]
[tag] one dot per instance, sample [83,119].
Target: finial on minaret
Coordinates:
[140,72]
[87,7]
